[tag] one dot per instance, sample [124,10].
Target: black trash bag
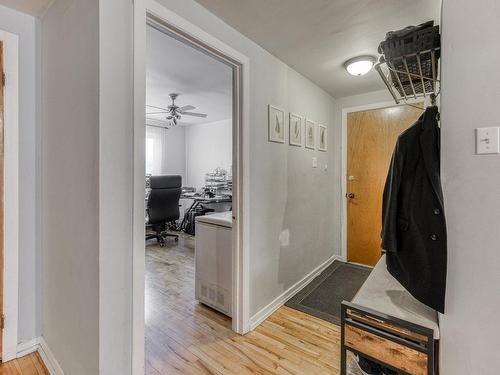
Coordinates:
[370,367]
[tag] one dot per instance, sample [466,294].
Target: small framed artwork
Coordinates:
[322,138]
[295,130]
[310,134]
[276,124]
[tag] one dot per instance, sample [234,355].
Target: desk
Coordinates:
[199,200]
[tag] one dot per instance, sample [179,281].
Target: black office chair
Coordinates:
[163,207]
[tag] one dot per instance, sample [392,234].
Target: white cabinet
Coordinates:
[213,261]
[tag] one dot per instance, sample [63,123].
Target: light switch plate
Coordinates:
[488,140]
[315,162]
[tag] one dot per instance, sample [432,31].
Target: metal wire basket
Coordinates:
[411,76]
[409,65]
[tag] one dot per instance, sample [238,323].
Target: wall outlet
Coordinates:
[315,162]
[488,140]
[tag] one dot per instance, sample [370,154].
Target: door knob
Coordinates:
[349,195]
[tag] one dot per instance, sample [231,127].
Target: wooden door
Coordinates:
[1,196]
[371,137]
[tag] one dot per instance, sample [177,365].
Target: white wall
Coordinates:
[116,187]
[26,27]
[171,157]
[176,151]
[70,184]
[208,146]
[191,151]
[470,98]
[381,96]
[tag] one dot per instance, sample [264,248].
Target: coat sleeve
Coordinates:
[390,201]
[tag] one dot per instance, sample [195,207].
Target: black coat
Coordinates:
[413,222]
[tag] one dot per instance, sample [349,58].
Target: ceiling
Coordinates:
[201,81]
[34,7]
[315,37]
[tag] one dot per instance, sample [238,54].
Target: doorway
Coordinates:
[153,12]
[189,190]
[371,137]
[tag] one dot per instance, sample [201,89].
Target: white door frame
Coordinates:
[345,111]
[191,34]
[11,195]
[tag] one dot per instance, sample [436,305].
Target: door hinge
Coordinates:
[3,79]
[2,322]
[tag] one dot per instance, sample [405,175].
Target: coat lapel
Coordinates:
[429,145]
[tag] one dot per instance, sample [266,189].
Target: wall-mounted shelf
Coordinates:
[411,76]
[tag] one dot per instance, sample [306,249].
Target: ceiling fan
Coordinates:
[173,113]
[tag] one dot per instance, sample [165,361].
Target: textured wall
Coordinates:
[470,97]
[70,184]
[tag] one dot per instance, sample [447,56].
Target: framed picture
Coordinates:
[276,124]
[310,134]
[322,138]
[295,131]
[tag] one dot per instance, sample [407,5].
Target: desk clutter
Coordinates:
[219,183]
[214,196]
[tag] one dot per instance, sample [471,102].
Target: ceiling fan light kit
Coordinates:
[173,113]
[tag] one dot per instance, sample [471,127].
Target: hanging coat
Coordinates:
[413,221]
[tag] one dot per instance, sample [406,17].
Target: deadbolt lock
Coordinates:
[349,195]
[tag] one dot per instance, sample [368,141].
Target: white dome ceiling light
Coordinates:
[358,66]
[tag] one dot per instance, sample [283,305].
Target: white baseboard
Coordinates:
[28,347]
[39,344]
[49,359]
[279,301]
[8,354]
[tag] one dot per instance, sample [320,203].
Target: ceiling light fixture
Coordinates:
[358,66]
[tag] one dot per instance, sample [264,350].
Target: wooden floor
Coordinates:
[184,337]
[31,364]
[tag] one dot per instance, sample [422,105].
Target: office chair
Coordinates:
[163,206]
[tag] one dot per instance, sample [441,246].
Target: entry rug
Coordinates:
[322,296]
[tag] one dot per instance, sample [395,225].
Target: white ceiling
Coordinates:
[34,7]
[201,81]
[315,37]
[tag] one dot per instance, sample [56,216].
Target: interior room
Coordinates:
[219,187]
[188,180]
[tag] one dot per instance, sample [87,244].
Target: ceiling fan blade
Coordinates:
[156,120]
[158,126]
[160,108]
[186,108]
[195,114]
[156,113]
